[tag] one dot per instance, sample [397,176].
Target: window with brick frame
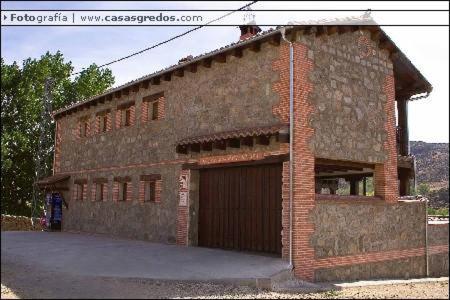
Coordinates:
[80,190]
[100,189]
[152,107]
[150,188]
[103,121]
[84,127]
[122,189]
[125,115]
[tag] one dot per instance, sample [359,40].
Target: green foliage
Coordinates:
[22,92]
[438,211]
[422,189]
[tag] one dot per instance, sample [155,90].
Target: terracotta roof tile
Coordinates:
[240,133]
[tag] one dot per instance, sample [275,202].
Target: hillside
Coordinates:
[432,170]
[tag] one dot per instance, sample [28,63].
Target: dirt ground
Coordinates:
[22,281]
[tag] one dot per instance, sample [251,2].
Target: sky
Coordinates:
[427,47]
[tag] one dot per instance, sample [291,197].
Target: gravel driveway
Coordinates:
[22,281]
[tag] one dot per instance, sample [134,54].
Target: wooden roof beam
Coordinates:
[156,80]
[167,77]
[247,141]
[206,62]
[237,52]
[182,149]
[207,146]
[275,40]
[220,58]
[221,145]
[179,72]
[192,68]
[255,47]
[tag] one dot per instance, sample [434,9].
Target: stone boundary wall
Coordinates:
[438,249]
[19,223]
[366,239]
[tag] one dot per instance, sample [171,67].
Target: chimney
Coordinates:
[249,30]
[185,59]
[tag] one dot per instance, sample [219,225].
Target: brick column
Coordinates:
[303,163]
[385,175]
[303,172]
[183,208]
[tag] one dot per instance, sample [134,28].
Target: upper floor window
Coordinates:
[125,115]
[103,121]
[84,127]
[153,107]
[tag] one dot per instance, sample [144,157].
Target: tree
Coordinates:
[22,91]
[423,189]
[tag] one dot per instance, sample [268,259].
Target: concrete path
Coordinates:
[94,255]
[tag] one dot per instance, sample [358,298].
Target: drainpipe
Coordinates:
[291,136]
[426,238]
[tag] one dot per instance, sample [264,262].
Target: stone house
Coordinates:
[198,154]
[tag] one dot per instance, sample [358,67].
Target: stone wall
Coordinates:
[348,97]
[362,239]
[19,223]
[438,264]
[228,96]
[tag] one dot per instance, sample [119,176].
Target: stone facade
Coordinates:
[373,235]
[343,110]
[438,249]
[348,97]
[224,97]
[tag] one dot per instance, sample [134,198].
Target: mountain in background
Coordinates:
[432,170]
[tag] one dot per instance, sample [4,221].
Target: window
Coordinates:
[80,193]
[122,189]
[153,107]
[149,195]
[155,110]
[123,186]
[104,123]
[150,188]
[83,127]
[101,190]
[127,117]
[103,119]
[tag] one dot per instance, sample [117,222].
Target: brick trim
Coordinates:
[303,165]
[285,211]
[158,190]
[385,175]
[57,156]
[339,261]
[93,192]
[115,191]
[144,112]
[183,209]
[284,149]
[437,249]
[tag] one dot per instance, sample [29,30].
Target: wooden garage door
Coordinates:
[240,208]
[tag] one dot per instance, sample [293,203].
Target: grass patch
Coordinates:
[438,211]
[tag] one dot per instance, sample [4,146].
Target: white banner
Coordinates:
[196,17]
